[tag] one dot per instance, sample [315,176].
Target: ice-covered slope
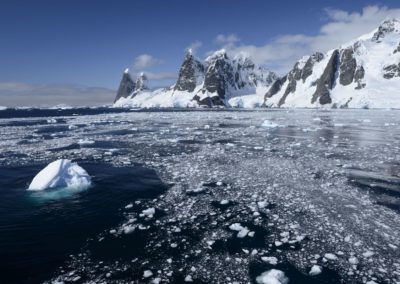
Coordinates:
[218,81]
[364,73]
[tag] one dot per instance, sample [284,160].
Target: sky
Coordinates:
[74,51]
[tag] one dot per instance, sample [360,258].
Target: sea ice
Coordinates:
[61,173]
[270,124]
[315,270]
[272,276]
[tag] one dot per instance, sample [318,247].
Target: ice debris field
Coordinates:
[302,196]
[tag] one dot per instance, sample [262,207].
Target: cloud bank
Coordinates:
[22,94]
[281,53]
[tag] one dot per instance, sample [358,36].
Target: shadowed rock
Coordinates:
[308,67]
[348,67]
[219,75]
[358,77]
[391,71]
[326,81]
[397,49]
[387,26]
[141,83]
[275,88]
[126,87]
[190,74]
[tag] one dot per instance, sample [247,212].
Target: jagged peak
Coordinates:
[390,22]
[141,82]
[126,71]
[390,25]
[217,55]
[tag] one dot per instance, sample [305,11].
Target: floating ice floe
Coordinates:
[61,174]
[85,142]
[269,124]
[270,259]
[272,276]
[315,270]
[242,231]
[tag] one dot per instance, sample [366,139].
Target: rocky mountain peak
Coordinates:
[387,26]
[141,82]
[191,73]
[126,86]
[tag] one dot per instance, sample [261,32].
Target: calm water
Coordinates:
[38,230]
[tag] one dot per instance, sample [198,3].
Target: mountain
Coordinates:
[218,81]
[364,73]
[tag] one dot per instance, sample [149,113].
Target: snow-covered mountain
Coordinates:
[364,73]
[218,81]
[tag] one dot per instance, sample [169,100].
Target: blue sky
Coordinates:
[86,45]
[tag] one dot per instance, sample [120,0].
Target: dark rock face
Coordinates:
[387,26]
[397,49]
[219,75]
[326,81]
[141,83]
[391,71]
[358,76]
[276,87]
[126,87]
[190,73]
[348,65]
[209,101]
[308,67]
[295,75]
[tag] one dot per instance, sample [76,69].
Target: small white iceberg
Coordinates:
[272,276]
[269,124]
[61,174]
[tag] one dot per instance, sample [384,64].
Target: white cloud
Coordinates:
[194,46]
[341,27]
[152,76]
[227,40]
[144,61]
[23,94]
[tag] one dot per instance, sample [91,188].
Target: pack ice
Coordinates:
[61,173]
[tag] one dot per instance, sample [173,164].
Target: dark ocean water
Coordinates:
[38,230]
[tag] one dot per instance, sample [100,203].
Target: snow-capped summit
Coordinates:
[364,73]
[141,82]
[387,27]
[126,87]
[218,81]
[191,73]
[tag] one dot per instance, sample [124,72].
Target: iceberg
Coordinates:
[61,173]
[272,276]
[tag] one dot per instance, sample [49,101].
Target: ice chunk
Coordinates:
[270,259]
[147,274]
[272,276]
[61,173]
[315,270]
[270,124]
[330,256]
[149,212]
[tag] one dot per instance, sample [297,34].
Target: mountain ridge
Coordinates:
[363,73]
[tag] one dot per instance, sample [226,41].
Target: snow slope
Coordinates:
[364,73]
